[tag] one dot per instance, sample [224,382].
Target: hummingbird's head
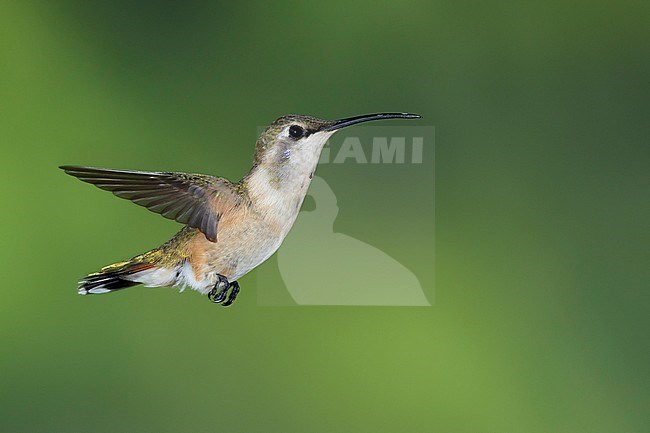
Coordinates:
[297,141]
[286,157]
[290,138]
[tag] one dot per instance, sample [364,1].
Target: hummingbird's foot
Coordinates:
[220,290]
[233,294]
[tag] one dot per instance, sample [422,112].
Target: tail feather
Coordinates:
[113,277]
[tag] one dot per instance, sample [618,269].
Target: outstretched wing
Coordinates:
[193,199]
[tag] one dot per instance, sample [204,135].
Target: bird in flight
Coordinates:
[230,227]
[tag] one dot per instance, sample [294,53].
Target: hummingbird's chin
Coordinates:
[303,156]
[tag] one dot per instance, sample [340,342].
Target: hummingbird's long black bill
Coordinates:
[342,123]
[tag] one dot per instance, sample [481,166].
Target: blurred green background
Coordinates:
[540,320]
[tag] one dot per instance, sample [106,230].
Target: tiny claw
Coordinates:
[220,290]
[218,297]
[233,294]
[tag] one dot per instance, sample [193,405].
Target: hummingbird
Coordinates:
[229,227]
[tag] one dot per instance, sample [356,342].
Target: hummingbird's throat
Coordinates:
[291,162]
[281,180]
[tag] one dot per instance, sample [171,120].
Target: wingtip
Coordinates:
[69,168]
[210,237]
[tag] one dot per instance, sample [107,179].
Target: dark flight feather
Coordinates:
[194,199]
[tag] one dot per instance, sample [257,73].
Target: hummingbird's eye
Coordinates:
[296,132]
